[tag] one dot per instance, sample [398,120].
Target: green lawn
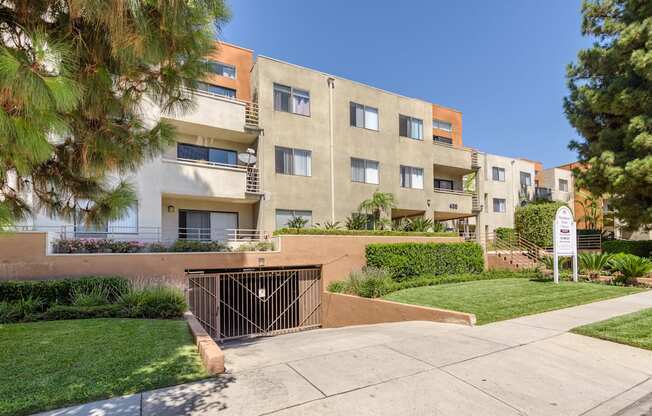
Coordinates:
[45,365]
[634,329]
[496,300]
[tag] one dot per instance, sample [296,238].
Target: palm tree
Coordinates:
[380,203]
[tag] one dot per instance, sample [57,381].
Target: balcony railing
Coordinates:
[251,114]
[456,191]
[253,184]
[253,180]
[543,193]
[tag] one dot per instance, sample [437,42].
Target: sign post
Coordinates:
[564,240]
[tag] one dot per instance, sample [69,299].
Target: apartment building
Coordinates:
[269,141]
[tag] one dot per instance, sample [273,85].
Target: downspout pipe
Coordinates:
[331,87]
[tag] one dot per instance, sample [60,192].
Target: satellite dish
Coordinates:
[247,158]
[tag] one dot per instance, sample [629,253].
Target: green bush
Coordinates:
[61,291]
[198,246]
[370,282]
[641,248]
[20,310]
[593,264]
[58,312]
[94,296]
[338,286]
[505,233]
[534,222]
[324,231]
[256,246]
[411,259]
[156,302]
[630,267]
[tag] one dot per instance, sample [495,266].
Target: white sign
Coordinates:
[564,240]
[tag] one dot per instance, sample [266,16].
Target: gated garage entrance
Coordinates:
[244,303]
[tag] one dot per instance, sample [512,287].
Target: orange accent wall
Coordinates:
[452,116]
[580,196]
[243,60]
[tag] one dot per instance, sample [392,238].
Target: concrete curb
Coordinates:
[345,310]
[211,355]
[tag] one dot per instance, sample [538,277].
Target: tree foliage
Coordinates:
[610,105]
[73,79]
[534,222]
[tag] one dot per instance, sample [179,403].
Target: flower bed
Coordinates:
[335,231]
[99,245]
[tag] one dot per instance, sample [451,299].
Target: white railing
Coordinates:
[241,234]
[251,108]
[253,180]
[253,184]
[454,191]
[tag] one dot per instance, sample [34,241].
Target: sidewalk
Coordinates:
[529,365]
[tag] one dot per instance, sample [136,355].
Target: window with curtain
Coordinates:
[283,216]
[444,184]
[442,125]
[293,161]
[498,174]
[563,185]
[526,179]
[291,100]
[410,127]
[365,171]
[210,154]
[500,205]
[221,69]
[363,116]
[216,89]
[411,177]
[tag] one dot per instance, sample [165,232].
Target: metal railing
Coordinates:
[455,191]
[543,193]
[589,241]
[475,203]
[253,184]
[515,249]
[251,114]
[253,180]
[475,164]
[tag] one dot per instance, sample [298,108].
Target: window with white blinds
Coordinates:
[365,171]
[364,116]
[411,177]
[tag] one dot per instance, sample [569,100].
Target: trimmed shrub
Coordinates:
[20,310]
[97,245]
[338,286]
[505,233]
[324,231]
[411,259]
[198,246]
[58,312]
[534,222]
[641,248]
[594,263]
[630,267]
[256,246]
[61,291]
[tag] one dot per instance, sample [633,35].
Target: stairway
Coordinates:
[514,253]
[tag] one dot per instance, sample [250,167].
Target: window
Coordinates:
[526,179]
[365,171]
[293,161]
[222,69]
[410,127]
[442,125]
[498,174]
[500,205]
[127,224]
[216,89]
[283,216]
[444,184]
[291,100]
[363,116]
[563,185]
[444,140]
[209,154]
[411,177]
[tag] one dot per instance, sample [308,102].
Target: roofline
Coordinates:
[234,45]
[355,82]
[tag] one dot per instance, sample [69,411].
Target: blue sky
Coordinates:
[500,62]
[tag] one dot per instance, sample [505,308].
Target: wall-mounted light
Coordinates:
[170,208]
[261,261]
[428,202]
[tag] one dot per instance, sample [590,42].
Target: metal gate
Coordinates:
[258,302]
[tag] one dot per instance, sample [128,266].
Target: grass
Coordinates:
[496,300]
[633,329]
[46,365]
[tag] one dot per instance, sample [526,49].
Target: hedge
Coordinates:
[52,292]
[325,231]
[534,222]
[641,248]
[412,259]
[58,312]
[505,233]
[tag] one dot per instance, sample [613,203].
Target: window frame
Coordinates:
[210,84]
[440,180]
[447,141]
[566,183]
[504,205]
[525,174]
[498,169]
[294,214]
[105,227]
[213,63]
[409,120]
[365,181]
[292,167]
[411,168]
[292,109]
[209,148]
[436,124]
[352,106]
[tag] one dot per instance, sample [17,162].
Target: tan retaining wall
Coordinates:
[340,310]
[23,256]
[211,354]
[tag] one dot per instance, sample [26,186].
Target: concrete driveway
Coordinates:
[529,365]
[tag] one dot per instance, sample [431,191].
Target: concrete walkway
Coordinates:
[530,365]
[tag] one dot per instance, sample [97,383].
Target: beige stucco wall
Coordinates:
[313,133]
[23,256]
[551,179]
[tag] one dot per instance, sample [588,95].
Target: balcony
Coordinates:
[464,159]
[542,194]
[215,115]
[450,204]
[185,177]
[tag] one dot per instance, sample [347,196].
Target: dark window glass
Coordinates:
[216,89]
[403,126]
[441,139]
[444,184]
[210,154]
